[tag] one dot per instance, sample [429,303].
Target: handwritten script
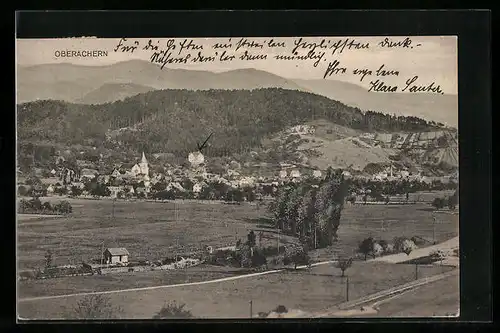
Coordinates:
[321,55]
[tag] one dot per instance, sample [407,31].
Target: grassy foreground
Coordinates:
[312,290]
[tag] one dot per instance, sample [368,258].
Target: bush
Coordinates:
[172,310]
[281,309]
[377,249]
[403,244]
[258,259]
[95,307]
[438,203]
[22,190]
[296,255]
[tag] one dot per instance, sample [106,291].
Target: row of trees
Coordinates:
[210,191]
[35,206]
[395,187]
[309,211]
[370,246]
[451,202]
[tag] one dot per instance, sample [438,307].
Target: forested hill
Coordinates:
[174,120]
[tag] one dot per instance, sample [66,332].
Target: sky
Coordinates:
[432,58]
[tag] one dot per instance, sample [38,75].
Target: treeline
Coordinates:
[210,191]
[35,206]
[311,211]
[173,120]
[451,202]
[377,189]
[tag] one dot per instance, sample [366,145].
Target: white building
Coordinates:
[115,173]
[118,255]
[346,174]
[198,187]
[295,174]
[246,181]
[142,168]
[316,173]
[114,190]
[50,189]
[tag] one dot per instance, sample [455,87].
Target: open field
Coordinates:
[150,230]
[309,291]
[82,284]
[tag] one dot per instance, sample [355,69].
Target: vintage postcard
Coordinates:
[298,177]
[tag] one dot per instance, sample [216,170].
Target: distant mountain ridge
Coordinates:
[104,84]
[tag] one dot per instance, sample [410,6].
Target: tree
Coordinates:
[251,238]
[297,255]
[234,194]
[280,309]
[343,264]
[100,190]
[47,207]
[187,184]
[35,204]
[22,191]
[384,244]
[292,207]
[33,180]
[76,191]
[249,194]
[366,246]
[48,259]
[306,217]
[452,201]
[329,205]
[95,306]
[63,207]
[172,310]
[438,203]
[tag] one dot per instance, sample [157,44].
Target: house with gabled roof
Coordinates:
[116,255]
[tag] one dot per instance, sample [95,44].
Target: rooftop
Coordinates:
[118,251]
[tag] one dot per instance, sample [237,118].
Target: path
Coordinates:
[391,258]
[168,286]
[448,245]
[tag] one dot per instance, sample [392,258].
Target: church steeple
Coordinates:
[144,160]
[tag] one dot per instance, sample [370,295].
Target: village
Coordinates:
[94,177]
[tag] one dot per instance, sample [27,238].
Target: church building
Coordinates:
[142,168]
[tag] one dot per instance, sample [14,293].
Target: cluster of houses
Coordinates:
[139,179]
[407,140]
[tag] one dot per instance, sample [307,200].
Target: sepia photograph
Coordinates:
[238,177]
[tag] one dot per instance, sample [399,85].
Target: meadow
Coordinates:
[316,290]
[154,230]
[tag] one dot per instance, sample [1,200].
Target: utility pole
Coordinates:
[176,215]
[113,210]
[347,289]
[416,271]
[251,310]
[102,253]
[315,237]
[433,229]
[279,232]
